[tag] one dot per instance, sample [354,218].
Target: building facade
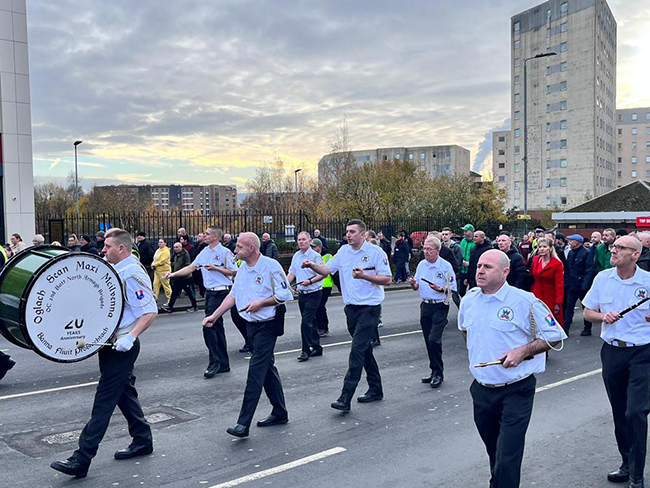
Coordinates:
[435,160]
[632,145]
[17,175]
[571,99]
[206,199]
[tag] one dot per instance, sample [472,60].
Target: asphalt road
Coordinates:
[415,437]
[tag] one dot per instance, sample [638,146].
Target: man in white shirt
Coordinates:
[309,286]
[364,271]
[259,293]
[625,353]
[434,278]
[495,320]
[117,384]
[218,266]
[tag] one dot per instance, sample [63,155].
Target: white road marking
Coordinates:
[49,390]
[281,468]
[568,380]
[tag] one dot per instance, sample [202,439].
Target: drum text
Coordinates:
[59,272]
[87,267]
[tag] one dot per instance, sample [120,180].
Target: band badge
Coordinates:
[365,259]
[139,294]
[217,258]
[641,293]
[439,276]
[506,313]
[550,320]
[258,279]
[385,262]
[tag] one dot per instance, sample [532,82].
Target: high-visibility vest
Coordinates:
[3,257]
[327,282]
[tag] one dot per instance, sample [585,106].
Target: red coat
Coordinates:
[548,284]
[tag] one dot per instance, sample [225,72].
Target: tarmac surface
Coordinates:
[415,437]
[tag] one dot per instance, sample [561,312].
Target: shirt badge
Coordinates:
[385,262]
[550,320]
[139,294]
[258,279]
[439,276]
[283,285]
[506,313]
[365,259]
[216,258]
[641,293]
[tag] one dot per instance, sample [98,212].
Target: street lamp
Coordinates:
[295,176]
[76,182]
[537,56]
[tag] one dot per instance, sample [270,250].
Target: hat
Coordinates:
[100,234]
[559,235]
[468,227]
[576,237]
[316,243]
[540,229]
[86,238]
[141,233]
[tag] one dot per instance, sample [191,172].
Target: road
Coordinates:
[415,437]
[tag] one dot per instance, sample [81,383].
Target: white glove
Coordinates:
[124,343]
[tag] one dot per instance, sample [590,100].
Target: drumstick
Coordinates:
[81,343]
[629,309]
[498,362]
[427,281]
[371,268]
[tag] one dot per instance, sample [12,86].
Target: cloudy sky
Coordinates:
[205,91]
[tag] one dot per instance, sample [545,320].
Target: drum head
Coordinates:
[74,296]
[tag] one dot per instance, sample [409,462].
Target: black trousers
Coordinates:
[241,325]
[116,388]
[197,277]
[502,416]
[433,320]
[572,297]
[215,336]
[177,287]
[262,373]
[626,374]
[308,304]
[362,323]
[322,320]
[462,287]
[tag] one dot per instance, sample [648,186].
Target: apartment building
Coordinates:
[206,199]
[632,145]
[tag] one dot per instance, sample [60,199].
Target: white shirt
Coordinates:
[610,293]
[221,257]
[303,274]
[260,282]
[500,322]
[438,273]
[360,291]
[137,288]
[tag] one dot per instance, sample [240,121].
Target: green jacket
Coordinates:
[601,258]
[466,247]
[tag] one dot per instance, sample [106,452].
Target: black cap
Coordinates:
[86,238]
[540,229]
[141,233]
[621,232]
[559,235]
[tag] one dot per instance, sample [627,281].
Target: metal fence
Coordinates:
[279,226]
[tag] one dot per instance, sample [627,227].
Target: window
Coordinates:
[517,26]
[563,47]
[647,159]
[563,124]
[563,200]
[502,165]
[563,163]
[647,130]
[434,155]
[634,174]
[620,174]
[620,132]
[647,144]
[517,115]
[548,14]
[410,156]
[620,160]
[448,154]
[502,152]
[633,159]
[562,181]
[548,32]
[517,149]
[517,62]
[517,132]
[564,8]
[647,172]
[517,80]
[517,185]
[517,44]
[563,105]
[502,179]
[634,131]
[422,156]
[647,116]
[398,156]
[548,127]
[563,27]
[635,117]
[634,145]
[563,85]
[563,144]
[548,145]
[502,139]
[564,66]
[517,97]
[517,167]
[619,117]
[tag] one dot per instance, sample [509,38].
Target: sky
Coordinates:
[206,92]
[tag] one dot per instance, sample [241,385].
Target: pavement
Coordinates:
[415,437]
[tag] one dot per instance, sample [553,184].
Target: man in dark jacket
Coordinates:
[644,260]
[445,253]
[88,245]
[517,276]
[384,243]
[146,253]
[180,259]
[578,270]
[401,258]
[482,245]
[318,235]
[99,242]
[268,247]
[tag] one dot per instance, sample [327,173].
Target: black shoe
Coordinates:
[370,397]
[272,420]
[166,309]
[245,349]
[133,451]
[585,332]
[621,475]
[323,333]
[375,343]
[223,370]
[636,483]
[238,430]
[303,357]
[316,352]
[71,467]
[436,381]
[211,372]
[9,363]
[341,404]
[427,379]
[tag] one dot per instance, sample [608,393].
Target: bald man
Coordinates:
[625,353]
[481,245]
[495,321]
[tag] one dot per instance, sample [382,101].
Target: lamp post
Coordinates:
[295,176]
[76,183]
[537,56]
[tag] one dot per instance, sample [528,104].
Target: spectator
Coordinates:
[383,243]
[73,243]
[146,252]
[161,264]
[517,276]
[181,232]
[576,280]
[602,254]
[87,245]
[17,243]
[268,248]
[180,259]
[99,241]
[562,248]
[401,258]
[185,242]
[539,233]
[621,232]
[548,278]
[317,235]
[482,245]
[466,246]
[7,248]
[197,277]
[229,242]
[525,247]
[644,260]
[38,240]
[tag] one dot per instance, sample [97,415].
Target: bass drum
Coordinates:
[51,297]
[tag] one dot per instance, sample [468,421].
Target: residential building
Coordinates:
[571,103]
[632,145]
[206,199]
[435,160]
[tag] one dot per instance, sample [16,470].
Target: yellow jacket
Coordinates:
[162,260]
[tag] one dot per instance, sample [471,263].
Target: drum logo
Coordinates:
[641,293]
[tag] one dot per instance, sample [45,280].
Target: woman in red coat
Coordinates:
[548,275]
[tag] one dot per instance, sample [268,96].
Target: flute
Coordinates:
[498,362]
[632,307]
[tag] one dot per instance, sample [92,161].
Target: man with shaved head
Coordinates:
[259,293]
[495,319]
[482,245]
[625,353]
